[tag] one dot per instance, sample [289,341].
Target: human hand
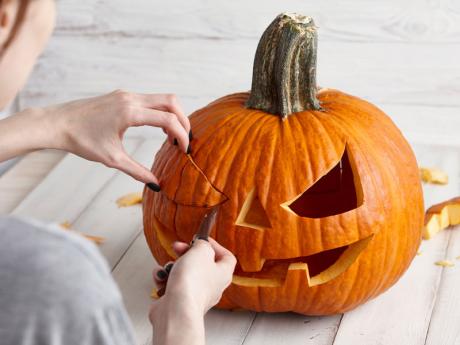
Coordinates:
[195,284]
[93,128]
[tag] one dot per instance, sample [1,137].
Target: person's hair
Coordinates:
[22,8]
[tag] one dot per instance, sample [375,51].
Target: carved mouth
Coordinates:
[319,268]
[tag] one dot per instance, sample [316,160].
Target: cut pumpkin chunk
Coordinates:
[434,176]
[129,199]
[441,216]
[444,263]
[154,293]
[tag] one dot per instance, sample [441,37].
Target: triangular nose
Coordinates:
[252,213]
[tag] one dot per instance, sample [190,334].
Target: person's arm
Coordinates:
[195,284]
[93,128]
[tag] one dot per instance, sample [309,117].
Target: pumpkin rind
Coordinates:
[240,150]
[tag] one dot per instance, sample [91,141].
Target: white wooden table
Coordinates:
[422,308]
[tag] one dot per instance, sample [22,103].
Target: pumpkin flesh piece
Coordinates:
[441,216]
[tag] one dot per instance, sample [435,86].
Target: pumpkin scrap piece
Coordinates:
[96,239]
[434,176]
[441,216]
[129,199]
[444,263]
[154,293]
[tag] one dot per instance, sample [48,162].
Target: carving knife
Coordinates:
[207,223]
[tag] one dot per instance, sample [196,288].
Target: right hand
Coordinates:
[199,276]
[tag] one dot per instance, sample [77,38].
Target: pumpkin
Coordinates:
[318,191]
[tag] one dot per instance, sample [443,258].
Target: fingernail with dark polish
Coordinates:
[175,142]
[190,135]
[168,267]
[189,149]
[154,186]
[162,274]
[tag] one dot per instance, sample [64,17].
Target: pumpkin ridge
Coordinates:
[385,273]
[241,124]
[203,140]
[341,123]
[235,159]
[202,120]
[260,129]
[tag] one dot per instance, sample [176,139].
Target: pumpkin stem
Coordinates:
[284,74]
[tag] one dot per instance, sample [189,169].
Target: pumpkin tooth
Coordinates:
[249,264]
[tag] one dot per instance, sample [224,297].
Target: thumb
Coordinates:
[223,255]
[134,169]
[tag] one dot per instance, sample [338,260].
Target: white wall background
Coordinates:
[403,55]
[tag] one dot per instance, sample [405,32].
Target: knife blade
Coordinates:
[207,223]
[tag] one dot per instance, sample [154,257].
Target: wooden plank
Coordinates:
[362,20]
[67,189]
[102,217]
[24,176]
[292,329]
[153,65]
[445,319]
[225,327]
[402,314]
[446,314]
[134,277]
[425,125]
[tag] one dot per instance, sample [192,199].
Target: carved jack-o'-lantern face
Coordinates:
[323,209]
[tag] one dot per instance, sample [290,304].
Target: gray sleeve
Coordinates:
[56,288]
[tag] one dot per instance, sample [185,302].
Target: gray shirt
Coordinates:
[56,289]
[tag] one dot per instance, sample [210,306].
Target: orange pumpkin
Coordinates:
[319,193]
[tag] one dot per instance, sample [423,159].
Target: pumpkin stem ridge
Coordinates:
[284,73]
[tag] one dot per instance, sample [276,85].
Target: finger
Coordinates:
[202,247]
[160,276]
[168,267]
[165,120]
[180,248]
[134,169]
[223,255]
[166,102]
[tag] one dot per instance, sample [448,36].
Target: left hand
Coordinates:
[93,128]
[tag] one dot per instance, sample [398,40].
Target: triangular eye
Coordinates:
[336,192]
[252,213]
